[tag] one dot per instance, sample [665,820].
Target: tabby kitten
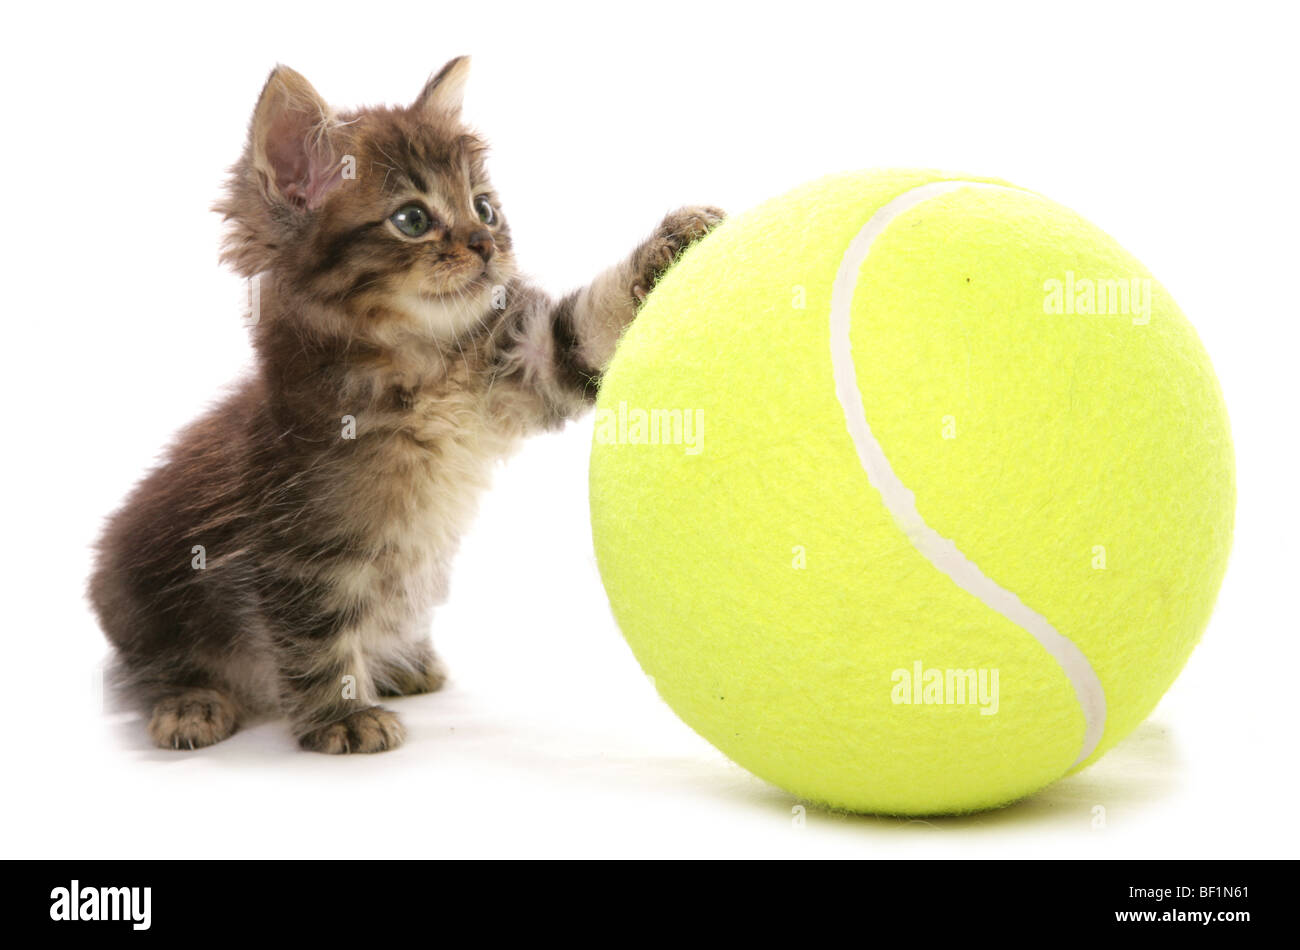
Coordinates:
[285,556]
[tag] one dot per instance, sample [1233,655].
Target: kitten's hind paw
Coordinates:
[193,719]
[413,682]
[373,729]
[678,231]
[423,673]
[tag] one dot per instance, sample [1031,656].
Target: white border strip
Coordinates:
[900,500]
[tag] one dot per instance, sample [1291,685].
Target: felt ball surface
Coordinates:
[912,492]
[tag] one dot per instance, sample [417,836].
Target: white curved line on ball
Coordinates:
[900,500]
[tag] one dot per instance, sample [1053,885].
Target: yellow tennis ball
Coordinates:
[912,492]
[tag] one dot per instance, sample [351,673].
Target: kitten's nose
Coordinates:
[481,243]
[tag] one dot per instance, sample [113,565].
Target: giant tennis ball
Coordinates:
[912,493]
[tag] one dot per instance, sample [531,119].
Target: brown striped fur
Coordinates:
[329,490]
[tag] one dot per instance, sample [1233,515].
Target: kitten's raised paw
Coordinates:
[373,729]
[193,719]
[678,231]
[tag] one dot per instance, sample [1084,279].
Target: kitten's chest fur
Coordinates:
[425,454]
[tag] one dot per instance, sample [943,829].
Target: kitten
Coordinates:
[285,556]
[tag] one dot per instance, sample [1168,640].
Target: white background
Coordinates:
[1171,127]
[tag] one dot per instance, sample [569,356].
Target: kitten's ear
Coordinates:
[443,93]
[292,141]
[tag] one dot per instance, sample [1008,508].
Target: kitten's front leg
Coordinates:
[328,693]
[677,231]
[547,356]
[598,314]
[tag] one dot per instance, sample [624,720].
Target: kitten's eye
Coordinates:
[486,213]
[411,220]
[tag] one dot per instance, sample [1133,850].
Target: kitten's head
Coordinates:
[383,218]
